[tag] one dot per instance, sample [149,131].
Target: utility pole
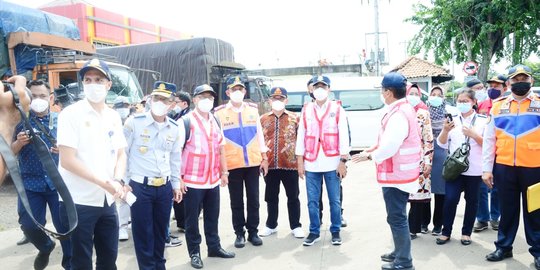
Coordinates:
[377,49]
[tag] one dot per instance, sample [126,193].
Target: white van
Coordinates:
[360,97]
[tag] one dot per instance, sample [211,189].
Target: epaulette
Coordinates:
[219,107]
[254,105]
[481,116]
[173,122]
[139,115]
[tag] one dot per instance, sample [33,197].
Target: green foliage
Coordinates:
[535,67]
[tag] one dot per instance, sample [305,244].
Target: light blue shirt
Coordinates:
[154,150]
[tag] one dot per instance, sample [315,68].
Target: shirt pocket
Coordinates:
[310,143]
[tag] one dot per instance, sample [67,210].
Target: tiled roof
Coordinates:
[415,67]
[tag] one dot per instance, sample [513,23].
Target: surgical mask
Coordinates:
[237,96]
[382,99]
[464,107]
[123,112]
[320,94]
[413,100]
[95,93]
[39,105]
[494,93]
[435,101]
[177,109]
[481,95]
[159,108]
[520,88]
[278,105]
[205,105]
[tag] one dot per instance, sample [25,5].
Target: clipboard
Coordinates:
[533,197]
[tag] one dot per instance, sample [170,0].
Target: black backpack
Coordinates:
[187,124]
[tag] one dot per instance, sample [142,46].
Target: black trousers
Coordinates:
[179,214]
[417,214]
[289,178]
[193,200]
[238,178]
[437,213]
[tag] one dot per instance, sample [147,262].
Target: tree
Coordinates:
[535,67]
[477,30]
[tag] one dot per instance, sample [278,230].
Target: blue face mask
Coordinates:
[494,93]
[413,100]
[435,101]
[464,107]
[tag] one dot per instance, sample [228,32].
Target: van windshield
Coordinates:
[352,100]
[124,83]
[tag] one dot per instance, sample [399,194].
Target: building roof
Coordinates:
[414,67]
[63,3]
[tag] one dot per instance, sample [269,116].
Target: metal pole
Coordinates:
[377,50]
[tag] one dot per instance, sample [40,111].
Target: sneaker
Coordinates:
[480,226]
[311,239]
[123,234]
[298,232]
[336,239]
[42,259]
[181,230]
[172,241]
[23,241]
[436,231]
[267,231]
[494,224]
[413,236]
[343,222]
[424,230]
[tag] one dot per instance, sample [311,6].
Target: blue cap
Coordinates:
[278,91]
[519,69]
[473,82]
[164,89]
[120,101]
[234,81]
[97,64]
[320,79]
[394,80]
[497,79]
[205,88]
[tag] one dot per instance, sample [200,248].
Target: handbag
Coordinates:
[458,162]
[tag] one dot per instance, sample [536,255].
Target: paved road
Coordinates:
[364,240]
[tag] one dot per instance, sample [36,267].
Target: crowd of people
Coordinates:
[131,169]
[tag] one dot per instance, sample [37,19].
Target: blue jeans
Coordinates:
[313,187]
[396,211]
[488,211]
[38,203]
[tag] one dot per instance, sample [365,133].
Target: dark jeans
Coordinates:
[97,228]
[38,203]
[179,214]
[512,183]
[237,179]
[488,204]
[209,199]
[396,211]
[271,196]
[469,185]
[149,223]
[417,215]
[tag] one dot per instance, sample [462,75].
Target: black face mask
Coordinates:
[520,88]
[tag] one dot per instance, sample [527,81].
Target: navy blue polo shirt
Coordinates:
[33,174]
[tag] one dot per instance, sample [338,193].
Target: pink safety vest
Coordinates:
[200,157]
[324,130]
[404,166]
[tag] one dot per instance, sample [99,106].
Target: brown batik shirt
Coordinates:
[280,138]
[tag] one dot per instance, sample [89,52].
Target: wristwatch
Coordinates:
[344,160]
[225,173]
[121,181]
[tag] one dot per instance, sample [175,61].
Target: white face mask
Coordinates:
[205,105]
[95,93]
[278,105]
[177,109]
[39,105]
[237,96]
[123,112]
[320,94]
[382,99]
[159,108]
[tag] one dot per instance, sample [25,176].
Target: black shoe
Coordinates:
[466,242]
[221,253]
[441,241]
[392,266]
[240,241]
[494,225]
[311,239]
[389,257]
[255,240]
[499,255]
[42,259]
[413,236]
[480,226]
[436,231]
[336,239]
[196,261]
[537,263]
[424,230]
[23,241]
[181,230]
[343,222]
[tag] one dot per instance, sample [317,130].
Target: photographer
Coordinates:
[39,187]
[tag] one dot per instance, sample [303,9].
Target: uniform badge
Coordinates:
[143,149]
[535,104]
[145,131]
[332,114]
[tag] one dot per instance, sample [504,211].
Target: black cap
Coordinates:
[205,88]
[473,82]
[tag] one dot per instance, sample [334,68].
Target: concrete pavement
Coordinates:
[364,240]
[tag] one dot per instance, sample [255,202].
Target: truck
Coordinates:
[41,45]
[192,62]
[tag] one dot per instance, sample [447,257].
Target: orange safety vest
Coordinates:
[517,131]
[242,147]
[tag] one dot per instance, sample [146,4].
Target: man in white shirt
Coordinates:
[322,148]
[92,163]
[397,156]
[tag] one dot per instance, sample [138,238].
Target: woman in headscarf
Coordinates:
[420,201]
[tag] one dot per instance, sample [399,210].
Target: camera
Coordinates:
[7,86]
[67,95]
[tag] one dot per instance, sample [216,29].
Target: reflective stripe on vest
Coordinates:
[200,157]
[517,132]
[404,166]
[321,131]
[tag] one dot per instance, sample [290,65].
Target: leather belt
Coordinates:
[150,181]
